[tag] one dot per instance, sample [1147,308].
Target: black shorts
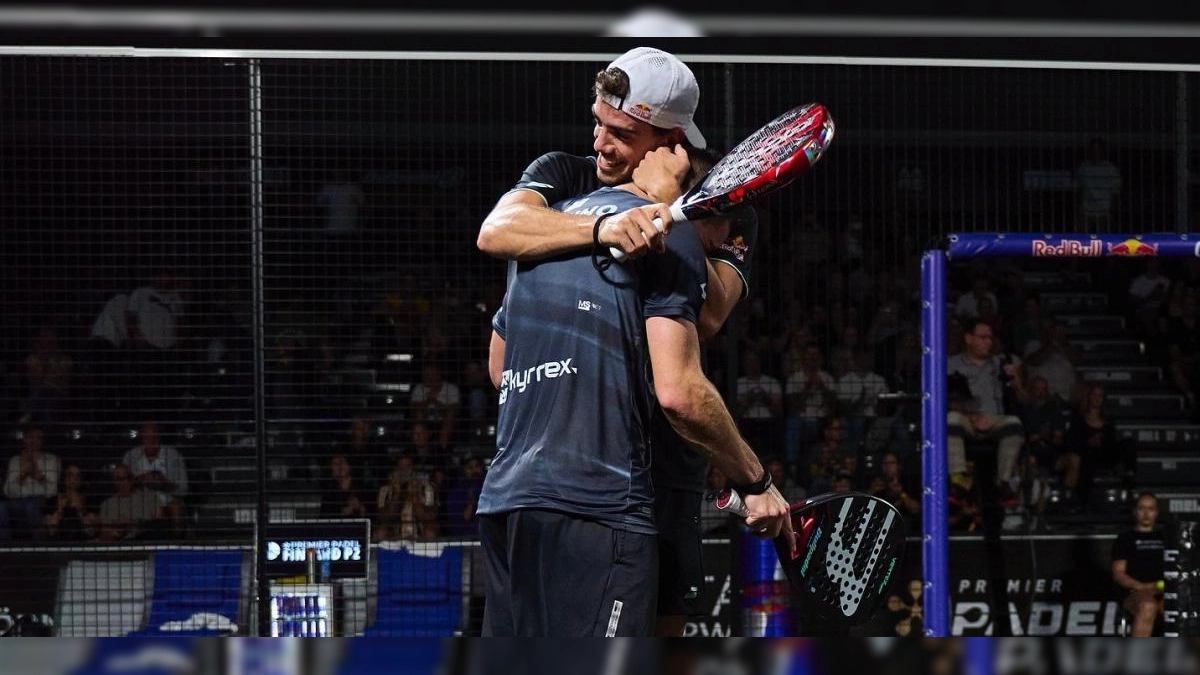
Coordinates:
[680,566]
[551,574]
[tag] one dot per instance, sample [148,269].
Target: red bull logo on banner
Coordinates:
[1068,248]
[1133,247]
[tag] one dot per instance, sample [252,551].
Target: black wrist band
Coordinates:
[756,488]
[600,263]
[596,229]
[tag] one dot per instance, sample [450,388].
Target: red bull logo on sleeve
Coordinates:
[1133,247]
[1068,248]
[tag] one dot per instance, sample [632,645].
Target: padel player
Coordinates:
[523,227]
[566,517]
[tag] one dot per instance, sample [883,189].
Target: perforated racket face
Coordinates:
[767,160]
[849,547]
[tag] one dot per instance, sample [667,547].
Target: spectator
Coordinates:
[842,483]
[32,479]
[962,501]
[74,515]
[128,513]
[826,459]
[361,449]
[895,486]
[967,305]
[160,470]
[811,396]
[462,498]
[1055,359]
[782,478]
[47,377]
[405,506]
[342,495]
[858,393]
[1045,421]
[1147,295]
[1137,565]
[1097,184]
[978,409]
[841,357]
[436,402]
[759,405]
[1092,444]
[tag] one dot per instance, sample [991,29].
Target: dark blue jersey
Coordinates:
[575,406]
[557,176]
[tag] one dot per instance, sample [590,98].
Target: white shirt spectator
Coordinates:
[447,397]
[815,403]
[1058,371]
[168,462]
[759,410]
[859,393]
[16,487]
[158,314]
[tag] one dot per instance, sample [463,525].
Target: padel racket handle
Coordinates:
[728,500]
[676,215]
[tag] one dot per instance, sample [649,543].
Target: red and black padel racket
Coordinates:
[767,160]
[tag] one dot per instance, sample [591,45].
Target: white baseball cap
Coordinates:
[662,91]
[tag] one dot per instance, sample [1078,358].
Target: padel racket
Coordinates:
[767,160]
[848,545]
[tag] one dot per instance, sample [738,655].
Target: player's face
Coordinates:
[621,142]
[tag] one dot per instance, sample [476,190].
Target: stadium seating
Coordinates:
[196,594]
[420,593]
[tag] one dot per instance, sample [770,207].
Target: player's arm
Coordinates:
[730,251]
[724,290]
[695,410]
[496,359]
[522,227]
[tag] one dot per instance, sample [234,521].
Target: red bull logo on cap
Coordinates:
[1068,248]
[641,111]
[1133,247]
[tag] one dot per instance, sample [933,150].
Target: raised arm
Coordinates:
[522,227]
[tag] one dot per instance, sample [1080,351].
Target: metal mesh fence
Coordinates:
[253,284]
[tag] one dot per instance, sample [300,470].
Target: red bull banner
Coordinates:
[1074,246]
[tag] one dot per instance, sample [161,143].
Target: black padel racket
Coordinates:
[848,546]
[767,160]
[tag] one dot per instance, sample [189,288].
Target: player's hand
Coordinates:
[660,173]
[770,516]
[634,231]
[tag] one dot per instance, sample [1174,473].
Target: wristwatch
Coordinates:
[757,487]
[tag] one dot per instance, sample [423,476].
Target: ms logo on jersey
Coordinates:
[519,380]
